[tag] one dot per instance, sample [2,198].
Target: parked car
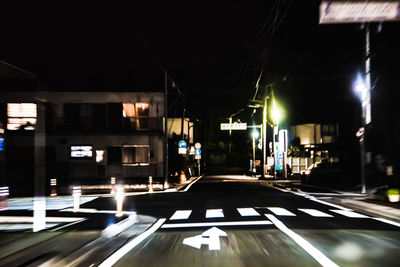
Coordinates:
[322,173]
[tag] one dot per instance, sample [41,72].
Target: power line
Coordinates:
[149,50]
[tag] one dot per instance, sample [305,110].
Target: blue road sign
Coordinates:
[197,152]
[182,144]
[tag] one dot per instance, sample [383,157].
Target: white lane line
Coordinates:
[84,210]
[315,213]
[214,213]
[350,214]
[281,211]
[67,225]
[327,203]
[187,187]
[310,249]
[181,215]
[29,219]
[110,261]
[248,212]
[236,223]
[387,221]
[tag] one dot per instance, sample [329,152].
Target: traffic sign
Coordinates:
[182,144]
[197,152]
[197,156]
[197,145]
[192,150]
[182,150]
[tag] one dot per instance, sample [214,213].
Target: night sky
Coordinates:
[213,50]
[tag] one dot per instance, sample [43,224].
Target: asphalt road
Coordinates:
[217,221]
[261,226]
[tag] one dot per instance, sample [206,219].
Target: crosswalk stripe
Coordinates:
[281,211]
[181,215]
[315,213]
[214,213]
[350,214]
[248,212]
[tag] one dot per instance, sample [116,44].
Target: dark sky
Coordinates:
[214,50]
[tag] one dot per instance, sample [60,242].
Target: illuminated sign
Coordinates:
[1,144]
[358,12]
[182,144]
[81,152]
[234,126]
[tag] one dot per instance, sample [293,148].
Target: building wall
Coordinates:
[114,130]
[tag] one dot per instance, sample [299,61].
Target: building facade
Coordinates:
[88,137]
[320,140]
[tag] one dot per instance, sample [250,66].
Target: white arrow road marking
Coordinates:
[212,241]
[194,241]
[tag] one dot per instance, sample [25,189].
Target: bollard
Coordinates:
[182,177]
[119,197]
[4,192]
[113,181]
[76,193]
[53,186]
[150,184]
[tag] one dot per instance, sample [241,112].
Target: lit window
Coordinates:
[138,114]
[99,155]
[81,152]
[21,116]
[129,110]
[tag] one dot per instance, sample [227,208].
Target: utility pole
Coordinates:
[166,185]
[264,138]
[183,117]
[230,140]
[366,106]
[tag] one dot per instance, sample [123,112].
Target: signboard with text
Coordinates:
[233,126]
[358,11]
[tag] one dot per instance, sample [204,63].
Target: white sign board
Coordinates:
[358,12]
[234,126]
[182,150]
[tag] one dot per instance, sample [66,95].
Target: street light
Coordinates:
[254,134]
[361,89]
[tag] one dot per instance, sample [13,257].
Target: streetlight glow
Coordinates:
[254,134]
[360,87]
[276,112]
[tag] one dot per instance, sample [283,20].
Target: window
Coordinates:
[328,130]
[129,155]
[138,114]
[81,152]
[21,116]
[136,155]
